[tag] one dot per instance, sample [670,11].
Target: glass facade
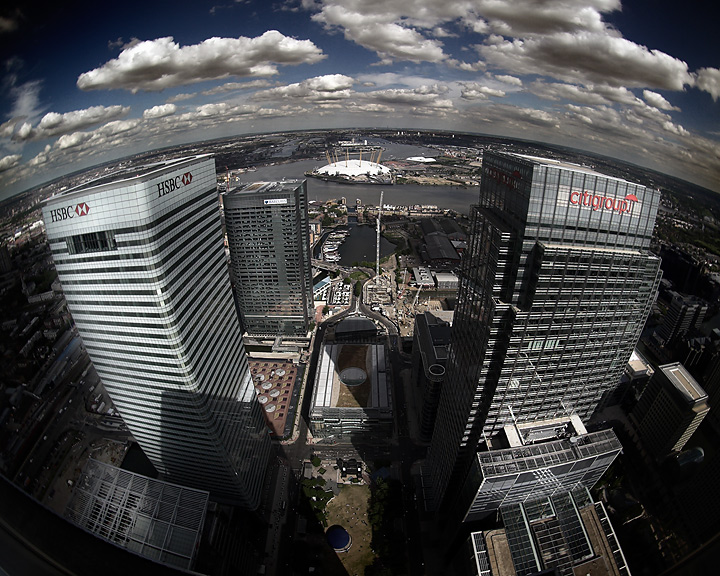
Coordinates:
[143,268]
[269,239]
[554,292]
[510,475]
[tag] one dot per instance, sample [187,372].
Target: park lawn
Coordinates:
[349,510]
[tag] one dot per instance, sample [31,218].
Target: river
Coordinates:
[450,197]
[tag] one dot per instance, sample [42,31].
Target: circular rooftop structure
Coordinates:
[353,376]
[338,538]
[353,168]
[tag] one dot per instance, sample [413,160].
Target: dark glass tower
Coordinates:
[268,236]
[554,292]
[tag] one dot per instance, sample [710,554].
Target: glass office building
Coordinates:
[269,239]
[141,259]
[554,291]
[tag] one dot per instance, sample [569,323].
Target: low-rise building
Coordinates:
[352,396]
[669,410]
[540,459]
[566,534]
[431,339]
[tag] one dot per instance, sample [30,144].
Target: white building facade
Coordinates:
[141,259]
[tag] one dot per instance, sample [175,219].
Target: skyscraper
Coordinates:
[141,259]
[268,236]
[670,409]
[554,291]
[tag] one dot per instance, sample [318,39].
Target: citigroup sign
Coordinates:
[598,202]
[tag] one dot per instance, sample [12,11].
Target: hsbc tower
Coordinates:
[141,260]
[555,288]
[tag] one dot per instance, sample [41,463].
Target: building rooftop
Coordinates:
[156,519]
[351,376]
[127,175]
[599,249]
[258,188]
[521,434]
[566,534]
[683,382]
[564,165]
[639,366]
[545,454]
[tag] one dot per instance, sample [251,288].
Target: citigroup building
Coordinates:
[555,288]
[141,260]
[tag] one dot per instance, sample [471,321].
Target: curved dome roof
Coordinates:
[338,537]
[353,168]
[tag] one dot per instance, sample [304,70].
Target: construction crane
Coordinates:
[377,241]
[417,295]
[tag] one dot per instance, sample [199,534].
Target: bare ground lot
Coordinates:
[349,510]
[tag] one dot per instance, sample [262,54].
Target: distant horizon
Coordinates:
[567,149]
[626,79]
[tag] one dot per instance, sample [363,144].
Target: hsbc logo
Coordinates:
[172,184]
[70,211]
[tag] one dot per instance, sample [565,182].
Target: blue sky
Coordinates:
[86,82]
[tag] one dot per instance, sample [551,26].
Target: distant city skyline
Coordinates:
[633,80]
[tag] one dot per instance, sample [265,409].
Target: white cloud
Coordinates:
[419,96]
[154,65]
[7,129]
[658,101]
[182,97]
[41,158]
[9,161]
[328,87]
[507,79]
[589,95]
[382,29]
[160,111]
[524,17]
[26,100]
[708,79]
[394,79]
[235,86]
[588,58]
[54,124]
[475,91]
[72,140]
[23,133]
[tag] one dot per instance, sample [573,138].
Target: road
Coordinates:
[402,450]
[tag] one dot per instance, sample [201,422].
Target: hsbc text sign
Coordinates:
[597,202]
[172,184]
[69,211]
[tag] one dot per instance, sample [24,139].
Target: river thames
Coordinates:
[451,197]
